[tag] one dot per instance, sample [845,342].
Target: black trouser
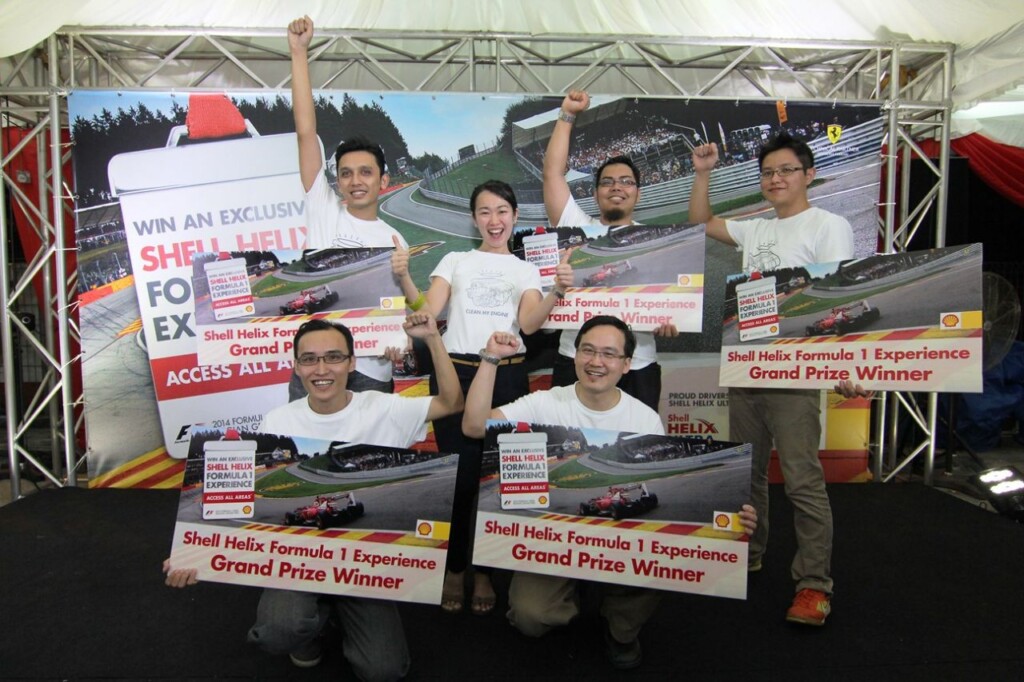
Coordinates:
[512,382]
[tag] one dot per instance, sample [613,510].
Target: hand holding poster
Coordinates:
[628,509]
[327,516]
[879,322]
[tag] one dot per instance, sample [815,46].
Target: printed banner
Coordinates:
[327,517]
[159,180]
[898,322]
[283,289]
[648,275]
[631,509]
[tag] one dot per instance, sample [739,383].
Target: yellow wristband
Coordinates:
[418,303]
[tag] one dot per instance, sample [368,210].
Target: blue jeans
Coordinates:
[374,644]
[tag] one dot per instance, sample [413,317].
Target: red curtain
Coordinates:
[1000,166]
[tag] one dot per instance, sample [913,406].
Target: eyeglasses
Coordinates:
[783,172]
[589,353]
[331,357]
[611,182]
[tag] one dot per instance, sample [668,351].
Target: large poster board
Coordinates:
[143,383]
[319,516]
[632,509]
[905,322]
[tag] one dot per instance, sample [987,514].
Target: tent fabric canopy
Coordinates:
[988,34]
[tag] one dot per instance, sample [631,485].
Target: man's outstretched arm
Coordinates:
[704,159]
[300,33]
[556,189]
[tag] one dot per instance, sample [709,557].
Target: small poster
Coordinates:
[758,309]
[523,470]
[230,293]
[229,468]
[542,250]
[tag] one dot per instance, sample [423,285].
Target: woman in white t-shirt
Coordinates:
[485,290]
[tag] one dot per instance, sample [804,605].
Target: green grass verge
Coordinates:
[281,484]
[575,475]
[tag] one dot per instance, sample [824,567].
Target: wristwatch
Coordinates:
[563,116]
[489,357]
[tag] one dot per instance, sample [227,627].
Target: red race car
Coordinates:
[618,504]
[324,512]
[310,300]
[844,319]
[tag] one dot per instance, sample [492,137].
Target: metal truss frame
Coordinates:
[911,81]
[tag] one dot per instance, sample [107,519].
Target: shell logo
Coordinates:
[950,320]
[683,280]
[247,509]
[722,521]
[425,528]
[386,303]
[250,308]
[774,329]
[543,499]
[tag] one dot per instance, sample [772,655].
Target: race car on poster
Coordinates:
[325,512]
[310,300]
[844,319]
[608,273]
[618,503]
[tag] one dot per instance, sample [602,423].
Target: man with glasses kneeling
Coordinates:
[604,352]
[290,622]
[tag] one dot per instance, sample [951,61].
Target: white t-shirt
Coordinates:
[329,225]
[370,418]
[485,296]
[560,406]
[811,236]
[646,352]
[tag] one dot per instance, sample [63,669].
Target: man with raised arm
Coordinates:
[799,234]
[351,220]
[616,190]
[290,622]
[604,352]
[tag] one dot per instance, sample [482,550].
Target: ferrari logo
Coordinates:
[835,131]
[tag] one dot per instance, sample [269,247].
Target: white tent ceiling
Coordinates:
[988,34]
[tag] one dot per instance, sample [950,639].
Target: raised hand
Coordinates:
[300,33]
[576,102]
[705,157]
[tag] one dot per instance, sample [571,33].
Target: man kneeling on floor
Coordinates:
[604,349]
[290,622]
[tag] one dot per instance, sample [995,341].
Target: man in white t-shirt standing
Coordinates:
[617,191]
[604,352]
[799,234]
[351,220]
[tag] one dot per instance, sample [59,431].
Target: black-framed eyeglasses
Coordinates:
[611,182]
[331,357]
[783,172]
[589,353]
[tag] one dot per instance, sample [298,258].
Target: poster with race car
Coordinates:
[899,322]
[648,275]
[328,517]
[625,508]
[286,288]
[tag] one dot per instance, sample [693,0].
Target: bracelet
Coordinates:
[559,294]
[489,357]
[568,118]
[418,303]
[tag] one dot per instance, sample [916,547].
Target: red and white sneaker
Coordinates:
[810,607]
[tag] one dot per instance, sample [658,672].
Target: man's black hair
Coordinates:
[625,161]
[319,326]
[786,141]
[360,144]
[611,321]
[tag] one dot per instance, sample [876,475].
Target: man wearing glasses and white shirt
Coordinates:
[616,190]
[290,622]
[799,234]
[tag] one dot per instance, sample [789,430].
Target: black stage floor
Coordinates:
[927,587]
